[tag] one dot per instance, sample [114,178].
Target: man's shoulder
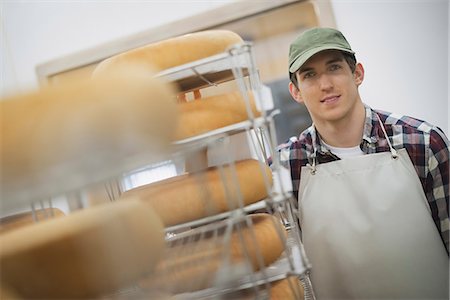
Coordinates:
[410,128]
[296,147]
[406,122]
[302,140]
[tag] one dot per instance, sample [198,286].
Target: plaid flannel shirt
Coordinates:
[427,146]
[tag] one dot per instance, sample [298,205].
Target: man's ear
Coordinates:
[359,74]
[295,92]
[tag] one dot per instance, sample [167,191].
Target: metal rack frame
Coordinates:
[237,64]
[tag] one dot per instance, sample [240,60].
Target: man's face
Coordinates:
[327,86]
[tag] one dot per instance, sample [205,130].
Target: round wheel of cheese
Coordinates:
[205,114]
[66,136]
[192,264]
[193,196]
[173,51]
[85,254]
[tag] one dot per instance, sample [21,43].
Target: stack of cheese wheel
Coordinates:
[200,115]
[192,196]
[67,136]
[192,265]
[61,139]
[88,253]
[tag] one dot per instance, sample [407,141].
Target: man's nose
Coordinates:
[325,82]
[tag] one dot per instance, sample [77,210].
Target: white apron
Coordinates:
[368,232]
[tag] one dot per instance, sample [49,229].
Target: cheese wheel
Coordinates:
[85,254]
[192,263]
[64,137]
[205,114]
[192,196]
[173,51]
[290,288]
[27,218]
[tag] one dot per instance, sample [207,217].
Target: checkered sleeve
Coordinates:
[438,163]
[283,152]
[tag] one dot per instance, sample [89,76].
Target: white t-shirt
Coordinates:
[345,152]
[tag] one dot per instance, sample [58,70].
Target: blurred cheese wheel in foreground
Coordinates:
[85,254]
[174,51]
[66,136]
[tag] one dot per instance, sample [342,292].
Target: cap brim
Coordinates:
[302,58]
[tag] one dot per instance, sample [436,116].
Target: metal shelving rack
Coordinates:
[237,64]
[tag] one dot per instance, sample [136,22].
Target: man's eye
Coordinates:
[308,75]
[334,67]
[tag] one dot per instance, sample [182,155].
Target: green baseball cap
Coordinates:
[313,41]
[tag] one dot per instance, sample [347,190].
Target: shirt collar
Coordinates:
[370,132]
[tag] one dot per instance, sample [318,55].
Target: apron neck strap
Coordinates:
[312,167]
[393,151]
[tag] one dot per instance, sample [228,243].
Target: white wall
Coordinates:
[404,47]
[34,32]
[402,44]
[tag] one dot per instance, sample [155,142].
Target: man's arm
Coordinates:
[438,163]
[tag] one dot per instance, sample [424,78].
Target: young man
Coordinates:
[372,187]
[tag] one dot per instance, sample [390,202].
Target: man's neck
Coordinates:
[346,132]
